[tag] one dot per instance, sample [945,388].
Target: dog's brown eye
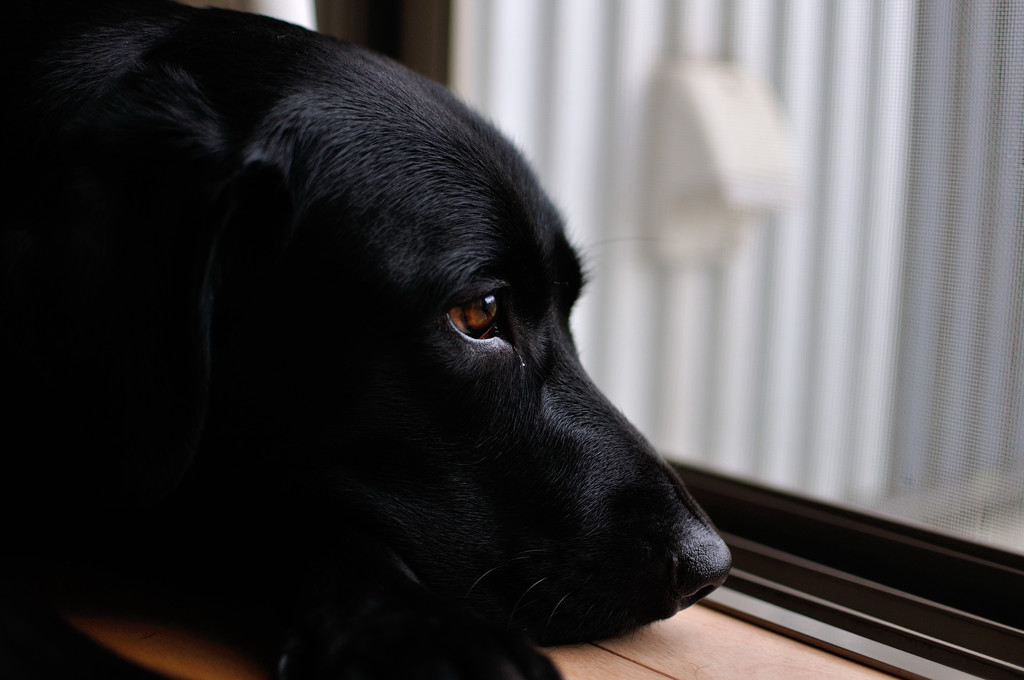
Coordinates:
[476,318]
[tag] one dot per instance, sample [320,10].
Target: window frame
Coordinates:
[810,570]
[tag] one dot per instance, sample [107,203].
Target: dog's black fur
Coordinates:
[234,259]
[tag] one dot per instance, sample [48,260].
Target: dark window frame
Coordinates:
[927,594]
[414,32]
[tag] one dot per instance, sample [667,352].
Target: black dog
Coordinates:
[284,330]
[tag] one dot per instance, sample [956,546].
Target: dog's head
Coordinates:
[419,339]
[384,348]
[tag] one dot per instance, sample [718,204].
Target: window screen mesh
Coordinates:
[958,449]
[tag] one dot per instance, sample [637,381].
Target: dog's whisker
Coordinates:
[553,611]
[536,583]
[482,577]
[525,554]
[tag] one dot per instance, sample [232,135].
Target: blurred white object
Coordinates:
[301,12]
[719,158]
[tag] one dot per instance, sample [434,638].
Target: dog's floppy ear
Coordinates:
[244,225]
[138,212]
[255,224]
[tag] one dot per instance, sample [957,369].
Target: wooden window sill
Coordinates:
[707,644]
[696,643]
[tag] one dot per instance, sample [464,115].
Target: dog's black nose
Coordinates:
[701,566]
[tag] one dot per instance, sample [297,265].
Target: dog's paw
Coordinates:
[417,646]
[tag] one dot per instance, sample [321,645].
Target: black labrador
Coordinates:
[284,333]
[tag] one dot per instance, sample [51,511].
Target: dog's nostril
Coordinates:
[704,592]
[692,591]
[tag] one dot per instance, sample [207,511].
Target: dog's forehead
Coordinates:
[399,160]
